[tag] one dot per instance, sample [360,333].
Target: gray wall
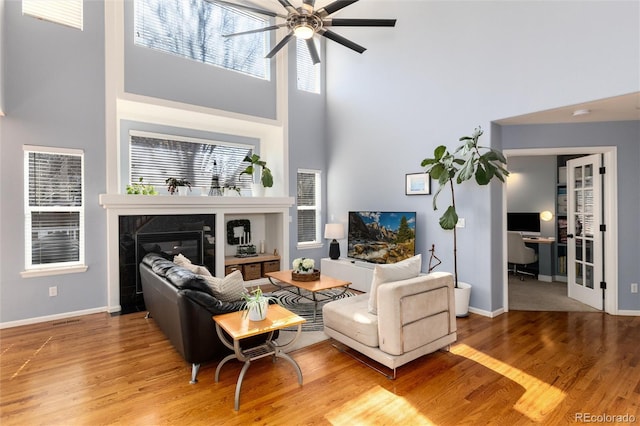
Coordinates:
[54,96]
[624,135]
[531,187]
[446,68]
[307,149]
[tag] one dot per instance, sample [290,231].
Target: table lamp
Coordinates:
[334,231]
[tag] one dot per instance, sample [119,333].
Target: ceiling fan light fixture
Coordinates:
[303,31]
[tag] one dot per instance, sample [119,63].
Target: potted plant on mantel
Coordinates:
[265,179]
[181,185]
[469,160]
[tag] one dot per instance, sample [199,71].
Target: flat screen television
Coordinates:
[525,223]
[381,237]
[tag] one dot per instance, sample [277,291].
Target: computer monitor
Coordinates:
[525,223]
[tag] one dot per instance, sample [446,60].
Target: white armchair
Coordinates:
[518,252]
[415,317]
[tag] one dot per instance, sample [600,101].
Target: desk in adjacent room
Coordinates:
[545,256]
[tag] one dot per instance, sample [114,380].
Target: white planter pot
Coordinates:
[462,295]
[257,190]
[183,191]
[258,313]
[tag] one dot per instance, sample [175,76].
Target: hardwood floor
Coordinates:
[519,368]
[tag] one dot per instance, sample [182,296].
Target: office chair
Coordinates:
[519,253]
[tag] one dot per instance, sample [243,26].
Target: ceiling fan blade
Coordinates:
[313,51]
[341,40]
[280,45]
[288,6]
[258,30]
[248,7]
[308,4]
[334,7]
[348,22]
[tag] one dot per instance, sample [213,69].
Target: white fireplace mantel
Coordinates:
[276,209]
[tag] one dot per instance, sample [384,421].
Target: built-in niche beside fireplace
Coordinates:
[192,235]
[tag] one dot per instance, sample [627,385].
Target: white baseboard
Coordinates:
[629,313]
[55,317]
[486,313]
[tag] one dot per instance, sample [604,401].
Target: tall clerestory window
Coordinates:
[195,30]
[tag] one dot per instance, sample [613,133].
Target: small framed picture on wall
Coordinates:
[417,184]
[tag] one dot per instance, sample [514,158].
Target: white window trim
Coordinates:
[318,208]
[53,269]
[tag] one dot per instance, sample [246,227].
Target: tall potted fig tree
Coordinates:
[469,161]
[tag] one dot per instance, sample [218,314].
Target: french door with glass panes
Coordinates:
[584,237]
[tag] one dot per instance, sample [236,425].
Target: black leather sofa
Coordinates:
[182,305]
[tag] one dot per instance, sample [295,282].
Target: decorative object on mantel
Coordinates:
[231,191]
[140,188]
[303,270]
[262,178]
[183,186]
[465,163]
[246,250]
[237,231]
[334,232]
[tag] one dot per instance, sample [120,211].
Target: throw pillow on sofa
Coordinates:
[185,262]
[227,289]
[181,260]
[403,270]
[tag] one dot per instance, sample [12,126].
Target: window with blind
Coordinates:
[203,163]
[54,207]
[308,205]
[308,74]
[195,30]
[65,12]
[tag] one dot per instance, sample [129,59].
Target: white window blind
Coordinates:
[195,29]
[54,207]
[203,163]
[308,206]
[65,12]
[308,74]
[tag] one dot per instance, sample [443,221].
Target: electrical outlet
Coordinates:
[634,287]
[461,223]
[53,291]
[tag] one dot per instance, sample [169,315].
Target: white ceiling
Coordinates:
[619,108]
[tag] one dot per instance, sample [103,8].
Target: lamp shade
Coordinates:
[546,215]
[334,231]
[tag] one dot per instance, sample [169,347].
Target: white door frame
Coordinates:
[610,199]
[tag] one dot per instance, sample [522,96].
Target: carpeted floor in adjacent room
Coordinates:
[534,295]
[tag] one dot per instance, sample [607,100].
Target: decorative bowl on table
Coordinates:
[303,270]
[305,276]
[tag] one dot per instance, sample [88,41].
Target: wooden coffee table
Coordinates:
[316,287]
[238,325]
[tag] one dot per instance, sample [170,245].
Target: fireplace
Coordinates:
[191,235]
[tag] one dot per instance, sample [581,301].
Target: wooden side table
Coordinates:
[238,326]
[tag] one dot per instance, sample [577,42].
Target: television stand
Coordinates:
[359,273]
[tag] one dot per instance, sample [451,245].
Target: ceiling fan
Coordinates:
[305,22]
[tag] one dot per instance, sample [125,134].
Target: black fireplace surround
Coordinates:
[192,235]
